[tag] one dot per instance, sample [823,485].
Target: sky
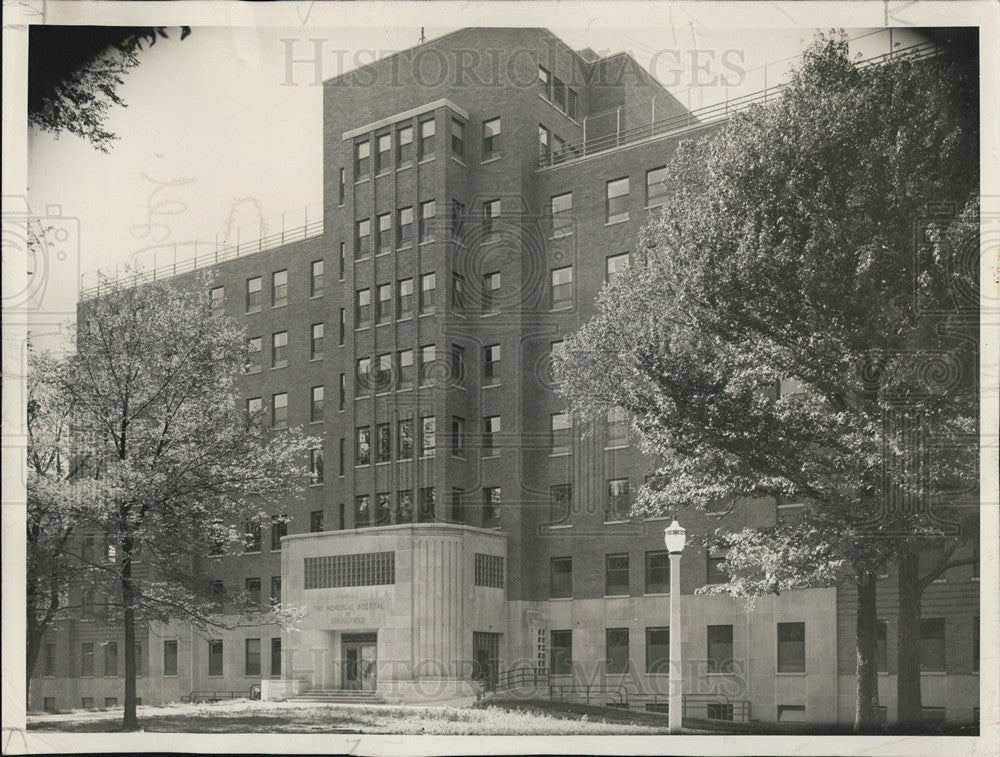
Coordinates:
[217,133]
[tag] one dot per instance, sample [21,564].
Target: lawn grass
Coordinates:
[246,716]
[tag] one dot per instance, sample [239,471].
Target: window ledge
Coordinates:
[617,596]
[404,167]
[615,522]
[384,462]
[404,318]
[380,174]
[429,159]
[560,599]
[490,457]
[560,454]
[279,367]
[380,253]
[407,246]
[933,672]
[616,222]
[617,446]
[317,485]
[282,305]
[315,359]
[315,423]
[656,594]
[423,242]
[429,312]
[722,673]
[653,207]
[558,526]
[561,236]
[362,259]
[459,161]
[561,309]
[490,314]
[493,159]
[792,674]
[490,386]
[362,180]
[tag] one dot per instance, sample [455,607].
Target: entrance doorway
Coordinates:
[359,661]
[486,657]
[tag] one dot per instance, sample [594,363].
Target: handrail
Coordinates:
[618,693]
[698,118]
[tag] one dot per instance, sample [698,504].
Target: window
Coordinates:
[383,509]
[276,656]
[656,192]
[404,369]
[720,649]
[383,372]
[343,326]
[342,260]
[316,408]
[341,189]
[111,658]
[215,657]
[616,650]
[341,458]
[316,333]
[170,657]
[362,445]
[489,571]
[253,591]
[457,363]
[316,279]
[87,702]
[362,510]
[616,207]
[492,499]
[616,423]
[616,575]
[456,510]
[491,435]
[562,288]
[316,521]
[140,660]
[87,659]
[404,227]
[457,436]
[404,507]
[362,308]
[110,702]
[316,465]
[931,715]
[404,298]
[560,434]
[383,238]
[383,303]
[279,289]
[561,645]
[491,364]
[616,506]
[279,523]
[252,657]
[428,284]
[559,93]
[561,215]
[791,647]
[572,106]
[427,436]
[252,537]
[218,299]
[561,577]
[428,500]
[491,212]
[458,291]
[457,139]
[427,221]
[657,572]
[932,644]
[49,659]
[560,503]
[881,649]
[544,138]
[254,287]
[255,348]
[714,573]
[790,512]
[614,266]
[362,160]
[404,439]
[362,376]
[545,80]
[279,349]
[342,391]
[791,713]
[404,146]
[359,569]
[275,590]
[279,410]
[658,650]
[383,443]
[362,238]
[427,357]
[383,160]
[491,293]
[427,131]
[491,139]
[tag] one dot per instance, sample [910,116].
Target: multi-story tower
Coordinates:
[479,191]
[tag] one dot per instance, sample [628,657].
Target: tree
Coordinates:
[75,73]
[786,252]
[50,517]
[177,470]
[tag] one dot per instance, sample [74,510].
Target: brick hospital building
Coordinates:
[479,191]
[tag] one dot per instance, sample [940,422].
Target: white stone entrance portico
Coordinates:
[392,609]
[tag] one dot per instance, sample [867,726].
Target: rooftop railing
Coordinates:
[627,125]
[169,260]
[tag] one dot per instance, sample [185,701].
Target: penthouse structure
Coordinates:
[479,191]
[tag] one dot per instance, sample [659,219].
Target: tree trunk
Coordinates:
[866,713]
[34,646]
[908,657]
[130,721]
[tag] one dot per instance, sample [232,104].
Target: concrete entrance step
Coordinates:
[338,696]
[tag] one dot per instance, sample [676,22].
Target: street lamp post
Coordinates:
[674,536]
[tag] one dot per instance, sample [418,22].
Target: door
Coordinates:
[359,661]
[351,667]
[486,657]
[367,669]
